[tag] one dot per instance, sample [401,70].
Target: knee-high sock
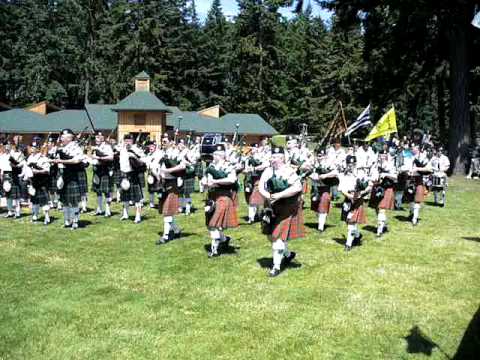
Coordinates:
[382,220]
[17,207]
[10,205]
[412,205]
[66,215]
[152,198]
[200,186]
[125,208]
[416,212]
[100,203]
[351,232]
[84,203]
[107,206]
[215,236]
[46,212]
[175,227]
[138,211]
[75,215]
[167,225]
[278,251]
[322,218]
[444,197]
[398,198]
[188,206]
[252,211]
[35,210]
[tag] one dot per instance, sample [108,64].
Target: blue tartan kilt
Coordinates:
[40,183]
[70,194]
[135,192]
[117,177]
[16,192]
[141,179]
[82,182]
[155,187]
[52,182]
[188,186]
[105,185]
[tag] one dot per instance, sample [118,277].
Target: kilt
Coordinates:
[141,178]
[82,182]
[388,201]
[155,187]
[188,186]
[70,194]
[225,213]
[52,183]
[322,205]
[16,191]
[419,195]
[117,177]
[169,203]
[288,219]
[198,169]
[357,213]
[254,198]
[105,186]
[40,183]
[135,192]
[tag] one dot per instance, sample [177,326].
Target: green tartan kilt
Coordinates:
[198,169]
[52,182]
[40,183]
[16,191]
[70,194]
[117,177]
[141,179]
[82,182]
[135,192]
[105,186]
[155,187]
[188,186]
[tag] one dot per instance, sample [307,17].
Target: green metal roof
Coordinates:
[142,76]
[76,120]
[248,124]
[141,101]
[102,116]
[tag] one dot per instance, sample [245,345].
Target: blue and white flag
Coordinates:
[476,20]
[362,121]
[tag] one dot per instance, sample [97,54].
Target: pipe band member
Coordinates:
[154,183]
[220,211]
[102,182]
[69,159]
[440,166]
[382,197]
[281,187]
[323,178]
[132,162]
[39,168]
[416,188]
[171,171]
[254,166]
[354,189]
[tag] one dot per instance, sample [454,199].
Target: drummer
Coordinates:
[440,165]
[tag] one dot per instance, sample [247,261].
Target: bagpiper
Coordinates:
[220,211]
[154,183]
[191,156]
[171,171]
[102,181]
[420,167]
[70,161]
[255,163]
[54,174]
[13,163]
[283,220]
[354,189]
[38,166]
[323,177]
[132,162]
[440,166]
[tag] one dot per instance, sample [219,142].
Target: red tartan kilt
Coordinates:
[358,216]
[322,206]
[388,201]
[288,220]
[420,193]
[254,198]
[225,213]
[170,203]
[305,187]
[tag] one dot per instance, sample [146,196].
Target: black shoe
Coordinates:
[274,273]
[357,241]
[161,241]
[212,254]
[226,243]
[288,259]
[347,248]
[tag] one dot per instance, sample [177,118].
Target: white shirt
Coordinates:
[5,162]
[125,158]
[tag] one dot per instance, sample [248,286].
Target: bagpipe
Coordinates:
[273,185]
[135,162]
[251,175]
[359,194]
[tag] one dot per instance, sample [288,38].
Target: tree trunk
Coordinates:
[459,129]
[441,107]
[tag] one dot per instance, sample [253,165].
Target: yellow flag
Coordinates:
[385,126]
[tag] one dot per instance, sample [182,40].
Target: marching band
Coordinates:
[276,181]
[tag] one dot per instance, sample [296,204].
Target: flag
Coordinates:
[386,125]
[476,20]
[362,121]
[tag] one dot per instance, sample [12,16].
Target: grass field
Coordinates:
[107,292]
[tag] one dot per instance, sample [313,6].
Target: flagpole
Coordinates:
[344,121]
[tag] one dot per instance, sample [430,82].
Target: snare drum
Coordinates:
[439,181]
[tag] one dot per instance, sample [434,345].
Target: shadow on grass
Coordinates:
[223,249]
[403,218]
[432,203]
[469,238]
[84,223]
[340,241]
[469,347]
[370,228]
[314,226]
[419,343]
[267,263]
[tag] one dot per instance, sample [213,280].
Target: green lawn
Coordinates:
[106,291]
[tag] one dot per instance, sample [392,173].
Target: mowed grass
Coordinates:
[107,291]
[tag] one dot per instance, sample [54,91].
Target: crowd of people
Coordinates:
[276,181]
